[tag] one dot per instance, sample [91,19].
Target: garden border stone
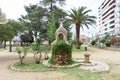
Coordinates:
[28,70]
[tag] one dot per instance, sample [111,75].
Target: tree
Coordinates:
[52,3]
[18,29]
[51,6]
[36,46]
[33,20]
[7,33]
[59,15]
[51,28]
[2,20]
[2,17]
[37,17]
[26,38]
[81,18]
[22,56]
[17,26]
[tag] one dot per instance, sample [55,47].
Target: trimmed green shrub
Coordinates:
[93,42]
[107,44]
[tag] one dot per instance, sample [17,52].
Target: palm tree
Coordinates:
[81,18]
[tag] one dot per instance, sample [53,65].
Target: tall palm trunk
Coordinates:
[77,36]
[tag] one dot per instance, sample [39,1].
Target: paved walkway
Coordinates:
[110,57]
[6,58]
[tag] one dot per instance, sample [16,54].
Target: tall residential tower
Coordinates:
[109,18]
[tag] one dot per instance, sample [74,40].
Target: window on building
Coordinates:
[112,22]
[105,24]
[105,29]
[112,26]
[112,17]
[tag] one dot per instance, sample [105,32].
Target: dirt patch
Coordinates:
[6,58]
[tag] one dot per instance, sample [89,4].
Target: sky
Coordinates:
[15,8]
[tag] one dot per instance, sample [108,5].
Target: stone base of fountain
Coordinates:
[58,66]
[94,66]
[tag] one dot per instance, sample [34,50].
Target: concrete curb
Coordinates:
[28,70]
[56,66]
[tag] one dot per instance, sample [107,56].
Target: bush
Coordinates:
[107,44]
[61,47]
[114,40]
[93,42]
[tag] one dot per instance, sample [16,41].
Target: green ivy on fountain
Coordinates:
[61,53]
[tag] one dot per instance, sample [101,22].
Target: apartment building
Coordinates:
[109,18]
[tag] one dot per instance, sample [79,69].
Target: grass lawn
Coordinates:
[29,64]
[70,73]
[78,50]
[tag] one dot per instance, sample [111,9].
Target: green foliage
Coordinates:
[78,50]
[74,42]
[26,37]
[78,74]
[51,28]
[25,49]
[81,18]
[46,48]
[61,46]
[107,44]
[6,32]
[36,47]
[17,26]
[93,42]
[105,39]
[29,64]
[34,20]
[22,50]
[19,51]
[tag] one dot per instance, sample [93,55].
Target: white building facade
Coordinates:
[109,18]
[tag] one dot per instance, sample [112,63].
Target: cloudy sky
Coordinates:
[14,8]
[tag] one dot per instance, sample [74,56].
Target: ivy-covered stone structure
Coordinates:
[61,48]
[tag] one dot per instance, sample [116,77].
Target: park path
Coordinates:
[6,58]
[110,57]
[101,55]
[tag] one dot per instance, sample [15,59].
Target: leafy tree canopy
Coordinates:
[6,32]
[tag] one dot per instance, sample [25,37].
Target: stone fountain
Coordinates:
[62,49]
